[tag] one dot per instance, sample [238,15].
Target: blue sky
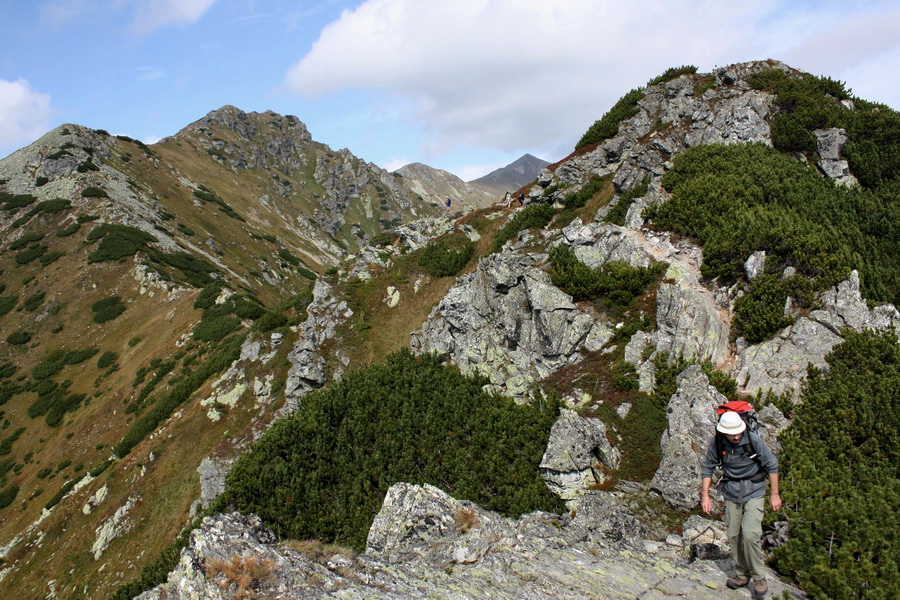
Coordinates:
[462,85]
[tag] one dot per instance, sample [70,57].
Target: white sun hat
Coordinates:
[731,423]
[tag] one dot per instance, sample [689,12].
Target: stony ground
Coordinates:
[427,545]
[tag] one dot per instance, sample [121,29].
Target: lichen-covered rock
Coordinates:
[508,322]
[779,365]
[577,453]
[424,544]
[691,416]
[689,324]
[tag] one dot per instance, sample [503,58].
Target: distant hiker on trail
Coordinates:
[447,202]
[508,199]
[521,199]
[746,461]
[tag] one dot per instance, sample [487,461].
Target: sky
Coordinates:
[467,86]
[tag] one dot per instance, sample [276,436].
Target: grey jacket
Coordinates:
[739,470]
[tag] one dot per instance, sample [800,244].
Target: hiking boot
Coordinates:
[738,581]
[760,587]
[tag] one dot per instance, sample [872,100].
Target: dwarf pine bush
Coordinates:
[840,473]
[323,472]
[608,125]
[441,260]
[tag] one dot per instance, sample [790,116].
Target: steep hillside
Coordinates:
[436,185]
[710,237]
[130,276]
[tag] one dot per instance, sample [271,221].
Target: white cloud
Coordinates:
[154,14]
[532,74]
[24,113]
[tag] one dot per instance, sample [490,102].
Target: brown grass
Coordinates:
[466,518]
[239,575]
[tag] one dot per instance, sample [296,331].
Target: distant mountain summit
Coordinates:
[514,175]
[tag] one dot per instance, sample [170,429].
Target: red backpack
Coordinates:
[747,414]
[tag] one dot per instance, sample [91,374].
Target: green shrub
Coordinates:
[227,353]
[440,260]
[618,213]
[6,444]
[18,338]
[75,357]
[215,327]
[673,73]
[7,303]
[537,215]
[107,309]
[43,473]
[617,283]
[288,257]
[87,166]
[25,240]
[41,181]
[7,391]
[608,125]
[34,252]
[581,197]
[118,241]
[65,489]
[195,271]
[207,297]
[13,201]
[8,496]
[247,308]
[743,198]
[272,319]
[759,313]
[840,473]
[106,359]
[93,192]
[52,207]
[33,302]
[408,419]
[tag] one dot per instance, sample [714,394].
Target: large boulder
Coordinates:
[691,424]
[578,453]
[690,324]
[779,364]
[508,322]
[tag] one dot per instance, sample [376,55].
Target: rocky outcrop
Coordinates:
[425,544]
[508,322]
[578,456]
[212,478]
[830,142]
[691,415]
[307,371]
[779,365]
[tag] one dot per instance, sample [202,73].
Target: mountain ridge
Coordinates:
[278,265]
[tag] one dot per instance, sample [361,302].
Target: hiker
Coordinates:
[508,199]
[521,199]
[447,202]
[746,460]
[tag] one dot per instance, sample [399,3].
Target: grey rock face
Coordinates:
[691,422]
[577,451]
[596,244]
[307,371]
[690,325]
[425,544]
[508,322]
[755,265]
[780,364]
[212,478]
[830,142]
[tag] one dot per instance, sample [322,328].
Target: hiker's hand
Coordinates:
[775,501]
[706,503]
